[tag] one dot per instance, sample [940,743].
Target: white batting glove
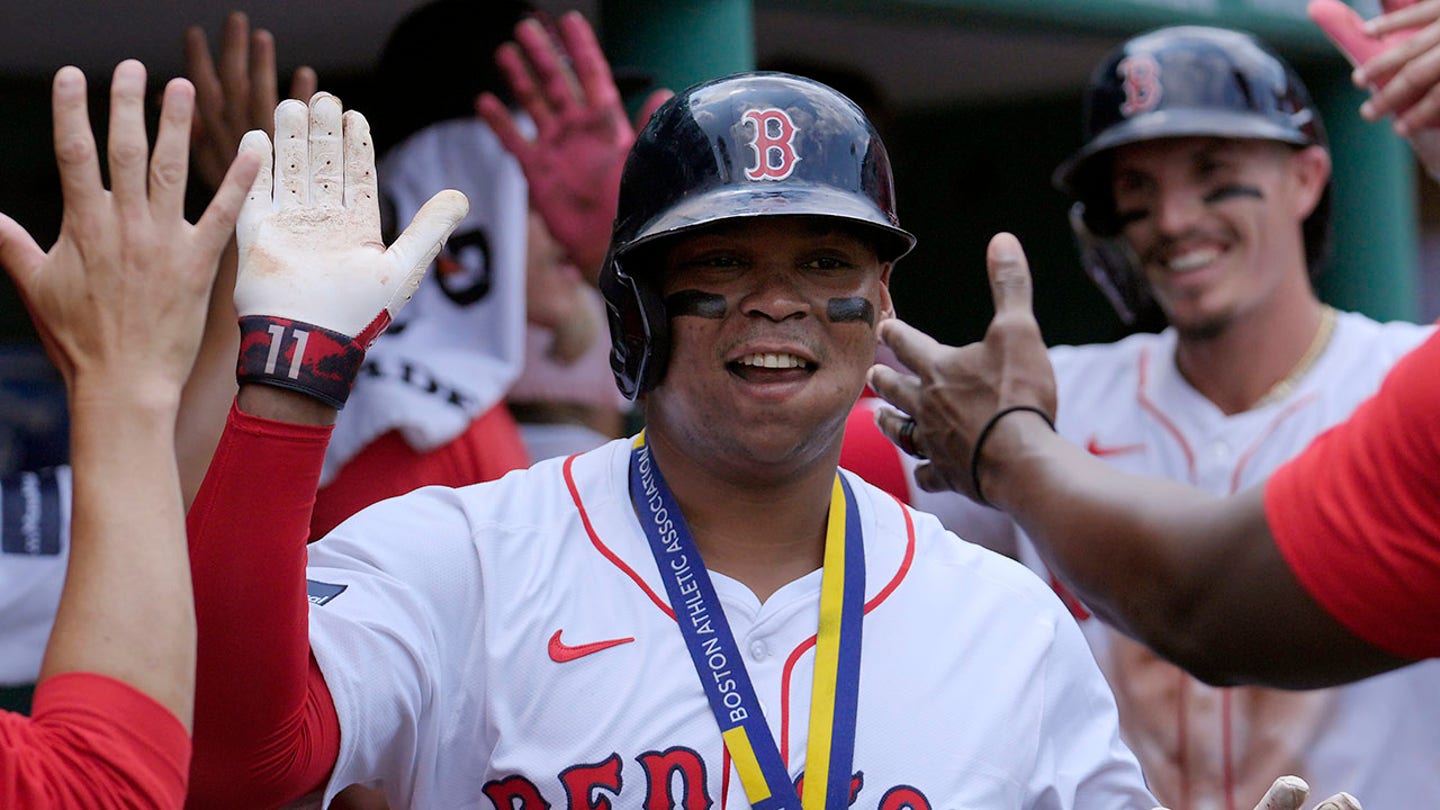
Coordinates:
[1290,792]
[316,285]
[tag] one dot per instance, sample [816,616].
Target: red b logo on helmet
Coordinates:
[1142,84]
[774,144]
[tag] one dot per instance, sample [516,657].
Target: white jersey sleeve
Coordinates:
[388,620]
[34,551]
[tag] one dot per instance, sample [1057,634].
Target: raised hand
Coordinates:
[121,295]
[582,135]
[240,96]
[316,284]
[955,393]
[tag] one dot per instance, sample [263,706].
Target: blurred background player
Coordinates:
[1204,188]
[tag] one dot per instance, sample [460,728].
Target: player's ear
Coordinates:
[887,305]
[1311,167]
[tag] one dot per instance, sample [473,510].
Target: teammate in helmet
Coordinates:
[1203,187]
[709,614]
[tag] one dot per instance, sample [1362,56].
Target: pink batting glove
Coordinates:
[582,135]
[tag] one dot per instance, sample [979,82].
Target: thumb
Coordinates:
[18,252]
[414,249]
[1009,275]
[1286,793]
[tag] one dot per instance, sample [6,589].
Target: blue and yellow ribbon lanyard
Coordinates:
[716,656]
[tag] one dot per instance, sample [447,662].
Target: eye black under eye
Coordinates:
[1233,191]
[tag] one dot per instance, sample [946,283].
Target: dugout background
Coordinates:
[978,100]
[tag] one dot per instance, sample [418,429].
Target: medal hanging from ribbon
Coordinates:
[836,682]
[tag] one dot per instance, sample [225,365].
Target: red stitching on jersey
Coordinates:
[808,643]
[1161,417]
[1269,429]
[602,548]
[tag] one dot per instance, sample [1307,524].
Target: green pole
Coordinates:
[1376,241]
[679,42]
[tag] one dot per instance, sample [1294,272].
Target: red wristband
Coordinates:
[300,356]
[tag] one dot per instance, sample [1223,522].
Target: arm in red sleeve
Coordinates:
[1355,515]
[266,731]
[93,742]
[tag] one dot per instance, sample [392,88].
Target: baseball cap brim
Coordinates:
[1071,175]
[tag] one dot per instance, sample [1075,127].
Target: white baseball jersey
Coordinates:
[510,645]
[34,550]
[1203,747]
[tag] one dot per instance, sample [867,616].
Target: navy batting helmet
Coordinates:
[748,145]
[1180,82]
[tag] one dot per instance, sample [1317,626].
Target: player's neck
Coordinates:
[1257,357]
[763,534]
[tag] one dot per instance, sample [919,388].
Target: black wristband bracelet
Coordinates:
[985,434]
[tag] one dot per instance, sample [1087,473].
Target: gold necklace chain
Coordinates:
[1282,389]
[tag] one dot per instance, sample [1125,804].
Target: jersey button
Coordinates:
[758,650]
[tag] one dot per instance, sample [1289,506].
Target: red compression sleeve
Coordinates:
[92,742]
[266,731]
[1355,514]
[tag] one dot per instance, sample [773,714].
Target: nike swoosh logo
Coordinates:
[560,652]
[1095,448]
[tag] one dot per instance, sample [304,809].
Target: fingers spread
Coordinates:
[218,222]
[548,62]
[326,177]
[75,150]
[258,202]
[896,388]
[914,349]
[522,84]
[129,147]
[200,69]
[502,123]
[263,93]
[234,69]
[416,247]
[170,163]
[361,187]
[1400,15]
[597,86]
[292,144]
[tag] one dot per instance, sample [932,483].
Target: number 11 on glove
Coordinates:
[316,285]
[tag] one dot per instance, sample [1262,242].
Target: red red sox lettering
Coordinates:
[673,778]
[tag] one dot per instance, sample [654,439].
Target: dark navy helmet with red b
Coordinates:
[748,145]
[1184,81]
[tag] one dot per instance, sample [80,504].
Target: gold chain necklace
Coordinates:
[1282,389]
